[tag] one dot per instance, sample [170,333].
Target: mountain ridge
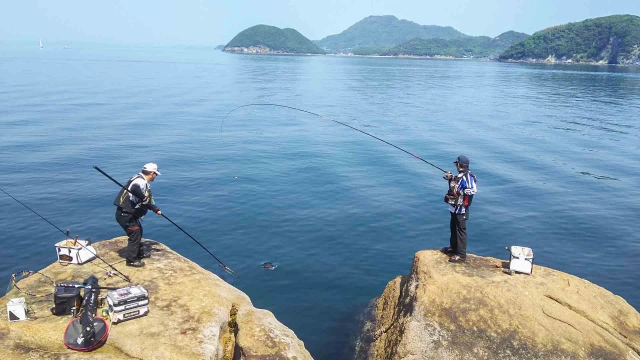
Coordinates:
[383,31]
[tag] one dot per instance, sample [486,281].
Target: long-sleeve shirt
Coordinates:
[142,190]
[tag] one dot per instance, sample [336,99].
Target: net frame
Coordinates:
[21,275]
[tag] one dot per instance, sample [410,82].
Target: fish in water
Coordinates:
[269,266]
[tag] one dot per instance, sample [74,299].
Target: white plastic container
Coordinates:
[120,316]
[521,259]
[128,303]
[17,309]
[68,253]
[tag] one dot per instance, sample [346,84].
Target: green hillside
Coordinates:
[274,39]
[470,46]
[369,50]
[612,39]
[384,31]
[508,39]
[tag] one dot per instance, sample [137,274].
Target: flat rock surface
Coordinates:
[474,310]
[189,317]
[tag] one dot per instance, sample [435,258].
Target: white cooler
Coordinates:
[68,253]
[521,259]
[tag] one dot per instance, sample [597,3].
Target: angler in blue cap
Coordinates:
[462,187]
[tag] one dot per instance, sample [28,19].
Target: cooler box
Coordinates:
[68,253]
[66,300]
[521,259]
[127,303]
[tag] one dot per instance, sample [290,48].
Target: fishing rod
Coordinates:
[225,267]
[86,287]
[335,121]
[125,277]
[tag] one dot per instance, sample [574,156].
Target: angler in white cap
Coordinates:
[132,205]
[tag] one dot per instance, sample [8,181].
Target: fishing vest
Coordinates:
[125,200]
[456,198]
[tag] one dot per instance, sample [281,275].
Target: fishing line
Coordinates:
[337,122]
[125,277]
[21,203]
[224,267]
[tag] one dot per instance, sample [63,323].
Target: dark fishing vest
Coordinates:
[123,200]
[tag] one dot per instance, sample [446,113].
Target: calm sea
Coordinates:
[555,150]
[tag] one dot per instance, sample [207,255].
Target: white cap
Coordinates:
[151,167]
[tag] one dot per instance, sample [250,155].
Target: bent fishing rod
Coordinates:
[337,122]
[125,277]
[222,265]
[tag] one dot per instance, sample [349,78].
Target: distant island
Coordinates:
[265,39]
[465,47]
[606,40]
[220,47]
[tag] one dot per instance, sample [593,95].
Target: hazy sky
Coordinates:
[217,21]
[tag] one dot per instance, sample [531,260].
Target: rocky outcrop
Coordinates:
[633,58]
[476,311]
[193,315]
[259,49]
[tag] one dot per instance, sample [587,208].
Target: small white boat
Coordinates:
[41,44]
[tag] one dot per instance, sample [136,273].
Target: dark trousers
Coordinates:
[458,239]
[133,229]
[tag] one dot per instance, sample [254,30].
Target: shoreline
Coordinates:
[271,53]
[438,57]
[545,62]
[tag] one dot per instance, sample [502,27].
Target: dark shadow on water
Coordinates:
[343,335]
[599,177]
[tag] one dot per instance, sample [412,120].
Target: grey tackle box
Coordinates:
[127,303]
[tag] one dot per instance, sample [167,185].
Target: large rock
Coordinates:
[193,315]
[475,311]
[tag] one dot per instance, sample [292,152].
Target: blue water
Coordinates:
[555,150]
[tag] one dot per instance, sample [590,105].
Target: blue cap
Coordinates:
[462,160]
